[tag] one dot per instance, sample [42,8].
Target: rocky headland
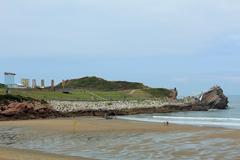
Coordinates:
[17,107]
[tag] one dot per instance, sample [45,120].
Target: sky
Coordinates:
[190,45]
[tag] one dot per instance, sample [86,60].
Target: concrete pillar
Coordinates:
[52,85]
[34,83]
[42,83]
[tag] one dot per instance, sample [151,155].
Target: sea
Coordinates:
[182,145]
[229,118]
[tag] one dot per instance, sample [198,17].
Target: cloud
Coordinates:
[143,27]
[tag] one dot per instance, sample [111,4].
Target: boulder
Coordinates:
[27,110]
[17,108]
[214,99]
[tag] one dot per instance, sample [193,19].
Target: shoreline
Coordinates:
[97,124]
[106,109]
[67,109]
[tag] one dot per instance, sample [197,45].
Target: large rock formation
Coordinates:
[173,94]
[214,99]
[17,107]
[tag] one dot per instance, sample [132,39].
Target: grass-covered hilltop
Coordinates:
[95,83]
[96,89]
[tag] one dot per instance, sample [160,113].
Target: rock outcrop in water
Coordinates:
[214,99]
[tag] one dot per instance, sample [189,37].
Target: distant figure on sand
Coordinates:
[166,123]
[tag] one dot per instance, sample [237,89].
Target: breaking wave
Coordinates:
[196,121]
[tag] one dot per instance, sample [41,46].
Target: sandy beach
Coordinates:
[95,124]
[90,125]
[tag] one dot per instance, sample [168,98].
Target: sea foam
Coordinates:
[196,121]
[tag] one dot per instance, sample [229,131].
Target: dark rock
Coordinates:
[200,108]
[214,99]
[16,108]
[27,110]
[173,94]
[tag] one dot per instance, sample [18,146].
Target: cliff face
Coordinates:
[174,94]
[214,99]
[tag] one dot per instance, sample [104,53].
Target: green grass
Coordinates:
[158,92]
[89,95]
[50,95]
[17,98]
[115,95]
[95,83]
[75,95]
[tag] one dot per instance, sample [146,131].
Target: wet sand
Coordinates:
[101,126]
[94,124]
[19,154]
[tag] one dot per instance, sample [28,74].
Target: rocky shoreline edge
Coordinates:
[20,108]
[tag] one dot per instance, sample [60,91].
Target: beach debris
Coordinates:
[107,116]
[66,91]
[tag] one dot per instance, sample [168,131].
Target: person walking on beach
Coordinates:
[167,123]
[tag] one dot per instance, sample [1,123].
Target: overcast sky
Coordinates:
[191,45]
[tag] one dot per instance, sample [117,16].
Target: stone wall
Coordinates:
[73,106]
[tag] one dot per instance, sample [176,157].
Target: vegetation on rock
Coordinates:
[158,92]
[95,89]
[95,83]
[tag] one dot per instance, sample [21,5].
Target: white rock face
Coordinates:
[70,106]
